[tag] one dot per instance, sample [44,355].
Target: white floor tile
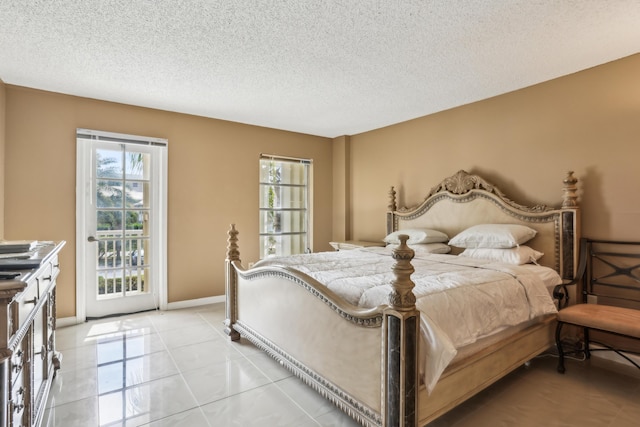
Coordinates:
[135,370]
[70,386]
[203,354]
[178,319]
[308,399]
[190,418]
[244,346]
[146,402]
[197,332]
[263,406]
[78,358]
[272,369]
[336,418]
[80,413]
[178,368]
[220,380]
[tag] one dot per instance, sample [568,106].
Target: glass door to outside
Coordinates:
[121,240]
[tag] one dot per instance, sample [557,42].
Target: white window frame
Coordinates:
[281,243]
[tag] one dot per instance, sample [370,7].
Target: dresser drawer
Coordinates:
[18,392]
[26,302]
[47,275]
[18,402]
[19,360]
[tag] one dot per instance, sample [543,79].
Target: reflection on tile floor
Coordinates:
[177,368]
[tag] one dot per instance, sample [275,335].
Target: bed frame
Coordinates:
[365,360]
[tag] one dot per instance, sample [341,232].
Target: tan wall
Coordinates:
[2,144]
[213,181]
[341,196]
[524,142]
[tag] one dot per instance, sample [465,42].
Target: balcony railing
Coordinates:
[121,262]
[111,254]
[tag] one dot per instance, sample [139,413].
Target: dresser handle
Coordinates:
[33,301]
[42,352]
[48,278]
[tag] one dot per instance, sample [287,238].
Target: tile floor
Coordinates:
[177,368]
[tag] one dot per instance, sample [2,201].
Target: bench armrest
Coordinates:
[561,293]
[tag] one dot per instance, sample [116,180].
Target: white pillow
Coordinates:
[520,255]
[417,235]
[430,248]
[502,236]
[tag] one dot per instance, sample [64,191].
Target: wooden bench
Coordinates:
[608,280]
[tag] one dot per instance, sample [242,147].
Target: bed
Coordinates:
[376,349]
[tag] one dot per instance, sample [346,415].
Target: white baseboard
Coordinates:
[195,302]
[66,321]
[70,321]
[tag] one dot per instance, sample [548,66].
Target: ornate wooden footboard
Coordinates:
[342,360]
[366,360]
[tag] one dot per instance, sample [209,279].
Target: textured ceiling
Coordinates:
[322,67]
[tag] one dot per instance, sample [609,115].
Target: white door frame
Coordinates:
[84,190]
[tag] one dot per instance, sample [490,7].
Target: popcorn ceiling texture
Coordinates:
[325,68]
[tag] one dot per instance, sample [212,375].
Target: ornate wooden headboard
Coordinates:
[463,200]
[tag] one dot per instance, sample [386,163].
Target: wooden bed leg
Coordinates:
[401,334]
[231,280]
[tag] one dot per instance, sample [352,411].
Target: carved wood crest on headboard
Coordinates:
[463,182]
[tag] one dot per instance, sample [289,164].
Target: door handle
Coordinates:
[92,239]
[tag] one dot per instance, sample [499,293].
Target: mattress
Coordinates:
[461,300]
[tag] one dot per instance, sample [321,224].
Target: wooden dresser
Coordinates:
[28,356]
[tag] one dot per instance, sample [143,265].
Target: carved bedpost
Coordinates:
[570,198]
[231,307]
[401,334]
[570,227]
[391,209]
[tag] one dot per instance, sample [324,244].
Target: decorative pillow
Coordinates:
[417,235]
[520,255]
[431,248]
[502,236]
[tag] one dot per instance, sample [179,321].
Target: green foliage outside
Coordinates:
[273,217]
[110,194]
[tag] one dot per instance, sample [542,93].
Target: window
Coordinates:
[284,206]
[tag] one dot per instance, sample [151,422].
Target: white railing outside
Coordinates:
[117,265]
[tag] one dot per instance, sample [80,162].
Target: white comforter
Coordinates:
[460,299]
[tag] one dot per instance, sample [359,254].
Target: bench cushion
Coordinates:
[625,321]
